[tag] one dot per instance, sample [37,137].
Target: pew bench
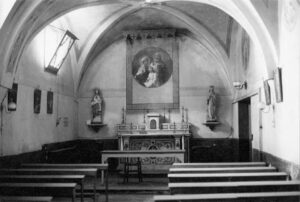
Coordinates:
[223,177]
[223,170]
[46,179]
[53,171]
[233,187]
[39,189]
[232,197]
[99,166]
[26,198]
[219,165]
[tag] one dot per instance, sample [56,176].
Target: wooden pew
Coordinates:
[233,187]
[231,197]
[53,171]
[50,171]
[218,165]
[99,166]
[26,198]
[223,170]
[223,177]
[38,189]
[45,179]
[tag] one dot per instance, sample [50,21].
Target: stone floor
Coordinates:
[133,191]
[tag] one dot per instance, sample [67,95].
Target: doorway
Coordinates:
[245,137]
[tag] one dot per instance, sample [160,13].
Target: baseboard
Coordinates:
[284,166]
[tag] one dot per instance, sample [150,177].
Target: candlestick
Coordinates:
[123,121]
[182,114]
[164,115]
[124,115]
[186,115]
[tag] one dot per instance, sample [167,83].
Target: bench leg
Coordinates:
[81,185]
[140,175]
[74,195]
[102,177]
[106,186]
[95,187]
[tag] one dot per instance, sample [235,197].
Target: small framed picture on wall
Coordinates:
[267,92]
[278,84]
[37,101]
[49,102]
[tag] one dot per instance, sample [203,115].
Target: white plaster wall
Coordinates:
[280,121]
[198,69]
[280,133]
[25,131]
[286,137]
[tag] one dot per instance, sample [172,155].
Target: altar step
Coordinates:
[127,188]
[148,174]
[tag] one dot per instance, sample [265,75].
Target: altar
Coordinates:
[166,137]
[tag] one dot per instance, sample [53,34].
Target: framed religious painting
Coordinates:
[37,95]
[267,92]
[278,84]
[49,102]
[152,79]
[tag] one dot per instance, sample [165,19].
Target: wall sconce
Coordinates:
[11,106]
[11,95]
[61,52]
[238,85]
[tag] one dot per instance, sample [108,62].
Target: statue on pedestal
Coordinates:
[96,104]
[211,105]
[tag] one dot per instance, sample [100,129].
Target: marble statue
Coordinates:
[96,104]
[211,105]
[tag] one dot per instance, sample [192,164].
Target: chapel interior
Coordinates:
[144,85]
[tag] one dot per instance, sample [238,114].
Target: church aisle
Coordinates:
[133,191]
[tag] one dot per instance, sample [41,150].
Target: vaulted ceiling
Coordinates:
[98,23]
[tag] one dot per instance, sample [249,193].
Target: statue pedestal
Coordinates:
[211,124]
[95,125]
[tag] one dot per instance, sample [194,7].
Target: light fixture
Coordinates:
[61,52]
[11,106]
[11,95]
[239,85]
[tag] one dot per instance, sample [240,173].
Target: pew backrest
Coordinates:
[233,187]
[210,177]
[51,171]
[223,170]
[26,198]
[232,197]
[220,164]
